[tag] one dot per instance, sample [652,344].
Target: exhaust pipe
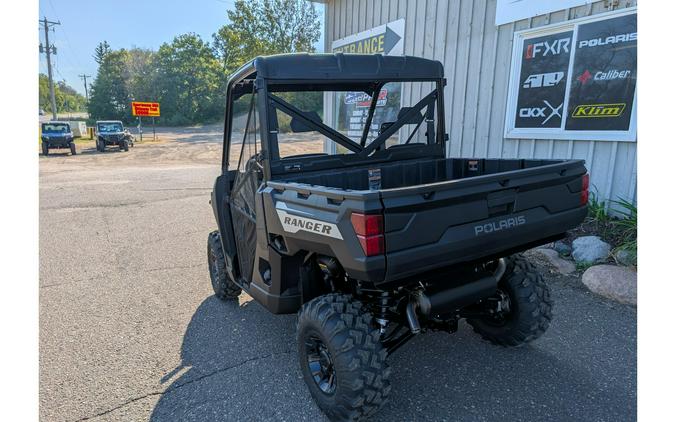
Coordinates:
[448,300]
[411,316]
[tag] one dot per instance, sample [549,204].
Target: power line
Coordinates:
[71,50]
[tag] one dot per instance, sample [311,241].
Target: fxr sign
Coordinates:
[140,108]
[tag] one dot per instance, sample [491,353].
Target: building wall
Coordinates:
[477,59]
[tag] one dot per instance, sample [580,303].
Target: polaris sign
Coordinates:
[495,226]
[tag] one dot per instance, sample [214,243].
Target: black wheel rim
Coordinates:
[320,364]
[499,319]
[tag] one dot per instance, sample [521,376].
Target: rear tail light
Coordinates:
[369,229]
[585,182]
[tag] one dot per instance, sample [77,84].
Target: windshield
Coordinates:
[355,121]
[55,128]
[110,127]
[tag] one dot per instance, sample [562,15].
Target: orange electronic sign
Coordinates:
[139,108]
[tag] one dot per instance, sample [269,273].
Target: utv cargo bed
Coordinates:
[442,212]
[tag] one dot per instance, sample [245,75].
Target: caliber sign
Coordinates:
[139,108]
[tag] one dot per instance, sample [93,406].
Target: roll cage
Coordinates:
[266,77]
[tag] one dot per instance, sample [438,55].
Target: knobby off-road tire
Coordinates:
[530,306]
[73,150]
[100,146]
[45,149]
[357,358]
[223,287]
[124,146]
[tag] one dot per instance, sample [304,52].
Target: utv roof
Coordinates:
[55,122]
[339,67]
[108,121]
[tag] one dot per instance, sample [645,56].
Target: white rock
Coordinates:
[618,283]
[590,249]
[561,265]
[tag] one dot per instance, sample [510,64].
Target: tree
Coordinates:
[188,75]
[189,81]
[262,27]
[109,96]
[67,99]
[102,49]
[141,75]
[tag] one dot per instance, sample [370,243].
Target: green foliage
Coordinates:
[109,96]
[102,50]
[67,99]
[188,76]
[626,226]
[597,210]
[263,27]
[190,84]
[614,221]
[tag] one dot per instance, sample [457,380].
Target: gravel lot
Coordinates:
[129,329]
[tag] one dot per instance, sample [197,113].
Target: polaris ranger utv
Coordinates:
[383,237]
[112,132]
[57,135]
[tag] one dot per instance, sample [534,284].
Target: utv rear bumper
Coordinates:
[461,243]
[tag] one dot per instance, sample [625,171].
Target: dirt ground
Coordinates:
[189,145]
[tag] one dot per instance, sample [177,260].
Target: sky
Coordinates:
[124,24]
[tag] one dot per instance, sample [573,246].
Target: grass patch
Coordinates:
[613,221]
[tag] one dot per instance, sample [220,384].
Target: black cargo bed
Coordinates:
[441,212]
[411,173]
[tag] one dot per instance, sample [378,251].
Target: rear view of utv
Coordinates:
[368,231]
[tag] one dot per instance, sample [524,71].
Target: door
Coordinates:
[248,178]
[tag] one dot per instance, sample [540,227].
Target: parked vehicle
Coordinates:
[57,135]
[113,133]
[386,237]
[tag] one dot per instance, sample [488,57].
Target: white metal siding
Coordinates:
[477,59]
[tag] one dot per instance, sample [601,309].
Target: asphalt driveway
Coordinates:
[129,329]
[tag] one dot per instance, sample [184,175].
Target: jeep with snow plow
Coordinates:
[368,230]
[112,133]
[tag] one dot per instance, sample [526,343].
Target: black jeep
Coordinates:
[57,135]
[369,231]
[112,132]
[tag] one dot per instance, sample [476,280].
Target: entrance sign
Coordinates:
[575,80]
[384,39]
[352,107]
[140,108]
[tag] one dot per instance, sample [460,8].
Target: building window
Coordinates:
[575,80]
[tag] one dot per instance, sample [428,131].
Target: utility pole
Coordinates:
[49,49]
[86,92]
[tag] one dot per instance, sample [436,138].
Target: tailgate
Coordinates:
[439,224]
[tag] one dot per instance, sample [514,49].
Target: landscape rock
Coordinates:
[613,282]
[590,249]
[562,248]
[627,258]
[561,265]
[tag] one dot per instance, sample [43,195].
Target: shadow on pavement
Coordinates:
[240,363]
[223,341]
